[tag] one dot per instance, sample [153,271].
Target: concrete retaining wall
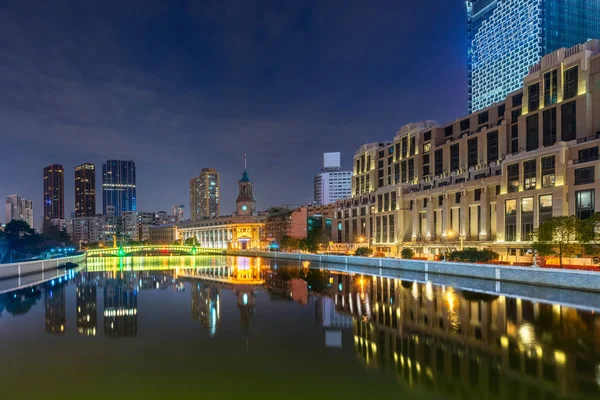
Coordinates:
[15,270]
[568,279]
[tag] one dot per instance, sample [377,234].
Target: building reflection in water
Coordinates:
[332,321]
[120,306]
[472,345]
[86,305]
[55,304]
[206,306]
[246,302]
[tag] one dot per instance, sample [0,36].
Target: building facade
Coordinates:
[204,195]
[163,234]
[332,183]
[506,37]
[18,208]
[89,229]
[118,187]
[282,222]
[136,225]
[85,190]
[54,192]
[488,179]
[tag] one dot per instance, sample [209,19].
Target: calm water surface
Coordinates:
[233,327]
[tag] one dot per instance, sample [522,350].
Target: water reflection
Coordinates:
[120,306]
[447,341]
[206,306]
[86,305]
[56,312]
[471,345]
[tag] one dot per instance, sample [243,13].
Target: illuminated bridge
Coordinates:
[153,250]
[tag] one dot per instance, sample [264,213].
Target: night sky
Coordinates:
[178,85]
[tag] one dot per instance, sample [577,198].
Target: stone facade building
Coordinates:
[488,179]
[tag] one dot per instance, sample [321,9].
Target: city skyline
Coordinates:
[157,120]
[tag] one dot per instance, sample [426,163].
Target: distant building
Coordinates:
[89,229]
[178,212]
[506,37]
[137,225]
[85,190]
[118,187]
[163,234]
[18,208]
[282,222]
[332,184]
[54,193]
[204,195]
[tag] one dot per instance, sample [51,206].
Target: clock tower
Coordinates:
[245,203]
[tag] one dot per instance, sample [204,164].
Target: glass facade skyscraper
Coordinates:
[506,37]
[118,187]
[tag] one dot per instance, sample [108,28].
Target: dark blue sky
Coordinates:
[178,85]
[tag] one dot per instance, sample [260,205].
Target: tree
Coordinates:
[315,239]
[289,243]
[560,237]
[363,252]
[191,241]
[407,254]
[19,239]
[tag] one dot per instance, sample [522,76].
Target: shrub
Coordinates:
[473,255]
[379,254]
[363,252]
[407,254]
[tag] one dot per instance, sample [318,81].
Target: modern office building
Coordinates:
[488,179]
[204,195]
[118,187]
[54,192]
[332,184]
[506,37]
[18,208]
[85,190]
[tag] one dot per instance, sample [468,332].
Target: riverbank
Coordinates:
[565,279]
[19,269]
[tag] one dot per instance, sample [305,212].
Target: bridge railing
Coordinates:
[153,248]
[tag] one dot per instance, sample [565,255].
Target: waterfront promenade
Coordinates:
[566,279]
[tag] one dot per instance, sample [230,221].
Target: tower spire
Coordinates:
[244,160]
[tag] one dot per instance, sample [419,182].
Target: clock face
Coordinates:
[244,207]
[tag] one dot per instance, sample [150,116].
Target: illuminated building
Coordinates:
[86,307]
[488,179]
[85,190]
[204,195]
[243,230]
[506,37]
[118,187]
[54,193]
[332,183]
[120,307]
[55,305]
[89,229]
[282,222]
[18,208]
